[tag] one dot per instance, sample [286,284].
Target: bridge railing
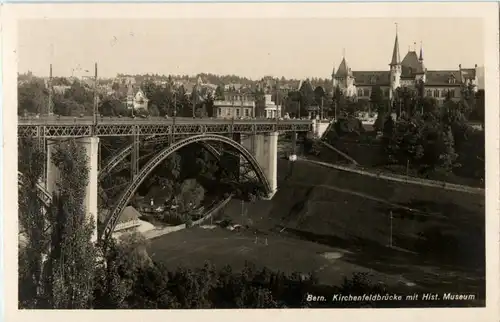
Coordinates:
[156,126]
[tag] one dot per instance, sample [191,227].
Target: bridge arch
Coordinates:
[113,217]
[122,154]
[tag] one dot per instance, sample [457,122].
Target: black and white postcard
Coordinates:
[234,158]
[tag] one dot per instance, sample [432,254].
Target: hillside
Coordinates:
[437,234]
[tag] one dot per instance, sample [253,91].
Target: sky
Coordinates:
[293,48]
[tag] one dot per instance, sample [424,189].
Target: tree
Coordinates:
[184,106]
[208,105]
[320,98]
[293,103]
[478,113]
[172,166]
[219,93]
[80,94]
[33,97]
[260,103]
[71,262]
[377,101]
[191,194]
[307,98]
[153,110]
[33,225]
[467,100]
[339,102]
[429,106]
[64,264]
[406,144]
[448,156]
[111,107]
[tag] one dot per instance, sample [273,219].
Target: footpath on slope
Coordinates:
[356,168]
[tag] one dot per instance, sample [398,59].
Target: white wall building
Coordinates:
[272,109]
[137,101]
[235,106]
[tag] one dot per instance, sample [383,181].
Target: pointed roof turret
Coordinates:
[343,70]
[421,57]
[396,60]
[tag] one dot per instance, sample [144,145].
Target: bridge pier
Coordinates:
[91,148]
[264,147]
[294,143]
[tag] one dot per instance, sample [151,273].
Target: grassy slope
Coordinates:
[443,247]
[322,211]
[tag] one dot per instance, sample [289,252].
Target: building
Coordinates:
[272,109]
[137,100]
[123,80]
[129,219]
[404,73]
[235,105]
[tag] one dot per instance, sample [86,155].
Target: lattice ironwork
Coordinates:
[125,152]
[113,217]
[148,128]
[44,196]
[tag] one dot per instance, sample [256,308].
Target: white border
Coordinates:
[489,12]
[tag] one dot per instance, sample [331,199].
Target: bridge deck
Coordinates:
[78,127]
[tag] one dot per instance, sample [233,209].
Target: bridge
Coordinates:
[254,140]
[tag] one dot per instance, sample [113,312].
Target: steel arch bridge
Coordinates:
[122,154]
[112,218]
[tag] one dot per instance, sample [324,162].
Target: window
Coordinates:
[360,92]
[386,92]
[452,93]
[436,93]
[228,111]
[429,93]
[237,112]
[247,112]
[393,78]
[366,92]
[219,111]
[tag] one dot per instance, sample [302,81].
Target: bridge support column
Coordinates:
[294,143]
[264,148]
[51,171]
[91,145]
[91,148]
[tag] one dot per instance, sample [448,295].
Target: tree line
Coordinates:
[427,136]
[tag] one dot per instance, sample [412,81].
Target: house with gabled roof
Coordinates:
[404,73]
[136,98]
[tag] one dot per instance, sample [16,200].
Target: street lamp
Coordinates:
[174,114]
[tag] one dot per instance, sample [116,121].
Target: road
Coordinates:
[88,120]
